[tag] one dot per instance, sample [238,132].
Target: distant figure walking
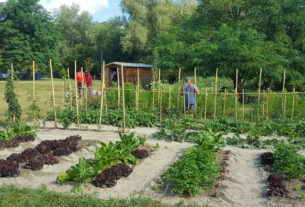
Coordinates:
[189,91]
[80,77]
[89,83]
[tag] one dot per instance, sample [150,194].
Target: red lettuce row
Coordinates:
[15,142]
[42,154]
[110,176]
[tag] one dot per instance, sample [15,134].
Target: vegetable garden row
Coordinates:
[200,168]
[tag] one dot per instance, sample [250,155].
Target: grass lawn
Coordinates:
[44,94]
[15,197]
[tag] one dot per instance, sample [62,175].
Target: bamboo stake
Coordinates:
[169,97]
[179,78]
[119,95]
[215,95]
[82,89]
[243,94]
[159,85]
[259,90]
[224,102]
[12,71]
[138,88]
[161,106]
[70,89]
[86,96]
[153,92]
[123,97]
[195,76]
[285,103]
[76,95]
[63,94]
[236,94]
[283,91]
[205,103]
[102,95]
[34,88]
[53,94]
[12,76]
[293,103]
[184,104]
[105,97]
[267,107]
[264,105]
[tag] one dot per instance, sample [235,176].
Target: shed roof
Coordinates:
[132,65]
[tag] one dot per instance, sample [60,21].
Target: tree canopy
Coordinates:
[27,33]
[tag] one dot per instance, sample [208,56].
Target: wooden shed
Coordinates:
[129,72]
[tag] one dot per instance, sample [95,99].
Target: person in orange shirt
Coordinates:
[80,78]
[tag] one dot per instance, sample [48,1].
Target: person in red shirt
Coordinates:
[80,78]
[89,83]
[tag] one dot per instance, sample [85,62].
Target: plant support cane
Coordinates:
[102,96]
[76,95]
[53,94]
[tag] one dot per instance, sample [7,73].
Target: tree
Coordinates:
[246,35]
[147,18]
[27,34]
[74,25]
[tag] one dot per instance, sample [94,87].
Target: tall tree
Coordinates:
[147,18]
[27,34]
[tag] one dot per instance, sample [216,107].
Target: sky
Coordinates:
[101,10]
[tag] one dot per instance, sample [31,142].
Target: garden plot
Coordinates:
[244,182]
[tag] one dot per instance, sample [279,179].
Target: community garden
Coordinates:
[138,143]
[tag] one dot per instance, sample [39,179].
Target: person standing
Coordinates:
[189,91]
[80,77]
[89,83]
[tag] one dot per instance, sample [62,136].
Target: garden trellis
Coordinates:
[211,102]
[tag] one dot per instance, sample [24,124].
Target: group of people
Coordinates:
[188,90]
[82,77]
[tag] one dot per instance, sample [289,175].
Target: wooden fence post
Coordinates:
[179,78]
[267,107]
[293,103]
[34,88]
[70,90]
[243,94]
[195,76]
[119,94]
[236,94]
[137,89]
[263,104]
[159,85]
[283,91]
[215,94]
[153,93]
[161,106]
[224,103]
[53,94]
[123,97]
[102,95]
[12,71]
[169,97]
[259,90]
[285,103]
[82,89]
[76,95]
[63,94]
[205,103]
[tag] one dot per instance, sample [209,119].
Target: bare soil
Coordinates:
[244,181]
